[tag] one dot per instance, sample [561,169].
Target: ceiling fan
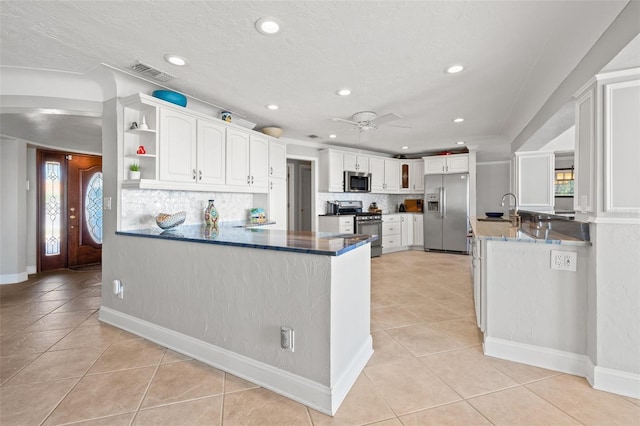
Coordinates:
[369,120]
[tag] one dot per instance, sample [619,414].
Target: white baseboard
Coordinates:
[13,278]
[616,381]
[605,379]
[318,396]
[538,356]
[32,269]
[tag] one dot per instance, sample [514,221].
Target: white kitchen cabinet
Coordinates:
[259,162]
[534,180]
[405,167]
[443,164]
[331,171]
[417,176]
[238,158]
[391,233]
[607,149]
[277,160]
[406,229]
[418,230]
[336,224]
[277,205]
[178,150]
[355,163]
[211,149]
[385,175]
[247,161]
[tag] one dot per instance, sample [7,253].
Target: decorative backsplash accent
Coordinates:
[140,206]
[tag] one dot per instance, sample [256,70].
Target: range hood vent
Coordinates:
[149,71]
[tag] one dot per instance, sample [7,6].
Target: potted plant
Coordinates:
[134,171]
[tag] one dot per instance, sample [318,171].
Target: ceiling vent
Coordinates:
[149,71]
[313,136]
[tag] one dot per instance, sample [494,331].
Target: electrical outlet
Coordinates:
[286,338]
[564,260]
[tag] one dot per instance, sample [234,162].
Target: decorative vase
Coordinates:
[143,124]
[211,215]
[134,175]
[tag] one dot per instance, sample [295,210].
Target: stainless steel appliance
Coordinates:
[365,222]
[357,182]
[446,212]
[371,224]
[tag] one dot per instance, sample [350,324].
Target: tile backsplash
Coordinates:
[140,206]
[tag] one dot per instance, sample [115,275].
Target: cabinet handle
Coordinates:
[248,180]
[199,174]
[194,174]
[271,169]
[251,180]
[270,185]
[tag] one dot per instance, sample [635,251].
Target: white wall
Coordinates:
[13,211]
[492,183]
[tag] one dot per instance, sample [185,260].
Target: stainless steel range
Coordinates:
[365,222]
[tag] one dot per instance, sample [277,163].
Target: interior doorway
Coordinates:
[69,210]
[300,194]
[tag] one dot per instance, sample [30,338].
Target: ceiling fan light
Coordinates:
[268,26]
[454,69]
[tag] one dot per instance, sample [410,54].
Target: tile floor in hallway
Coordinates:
[60,365]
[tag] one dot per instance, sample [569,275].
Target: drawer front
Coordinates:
[346,221]
[391,218]
[391,228]
[390,241]
[346,229]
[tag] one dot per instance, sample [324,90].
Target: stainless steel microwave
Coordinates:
[357,182]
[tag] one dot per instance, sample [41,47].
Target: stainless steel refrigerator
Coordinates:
[446,212]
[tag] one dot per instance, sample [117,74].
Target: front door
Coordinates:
[69,210]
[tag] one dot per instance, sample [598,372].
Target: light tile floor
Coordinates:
[60,365]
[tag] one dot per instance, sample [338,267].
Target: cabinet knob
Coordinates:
[194,174]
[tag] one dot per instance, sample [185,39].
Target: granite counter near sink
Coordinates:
[504,231]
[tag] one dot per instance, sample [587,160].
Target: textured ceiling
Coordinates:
[391,55]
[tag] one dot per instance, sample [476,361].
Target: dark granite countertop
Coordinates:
[322,243]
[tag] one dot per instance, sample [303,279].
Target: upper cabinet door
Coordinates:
[355,163]
[277,160]
[177,146]
[237,158]
[417,176]
[376,166]
[535,175]
[457,163]
[391,176]
[211,153]
[259,162]
[435,165]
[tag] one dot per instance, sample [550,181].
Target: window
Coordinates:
[563,183]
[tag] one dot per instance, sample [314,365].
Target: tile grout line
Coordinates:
[144,395]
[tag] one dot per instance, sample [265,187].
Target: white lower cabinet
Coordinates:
[418,231]
[391,233]
[277,205]
[336,224]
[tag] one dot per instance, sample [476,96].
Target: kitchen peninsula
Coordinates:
[532,310]
[222,298]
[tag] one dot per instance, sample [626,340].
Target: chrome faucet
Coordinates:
[515,200]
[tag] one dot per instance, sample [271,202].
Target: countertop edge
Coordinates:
[169,237]
[525,238]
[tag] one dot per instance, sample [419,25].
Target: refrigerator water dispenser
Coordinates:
[433,202]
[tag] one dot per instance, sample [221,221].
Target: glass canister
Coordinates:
[211,216]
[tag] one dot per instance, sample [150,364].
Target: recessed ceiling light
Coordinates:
[343,92]
[458,120]
[332,136]
[405,147]
[460,143]
[268,26]
[453,69]
[272,107]
[175,60]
